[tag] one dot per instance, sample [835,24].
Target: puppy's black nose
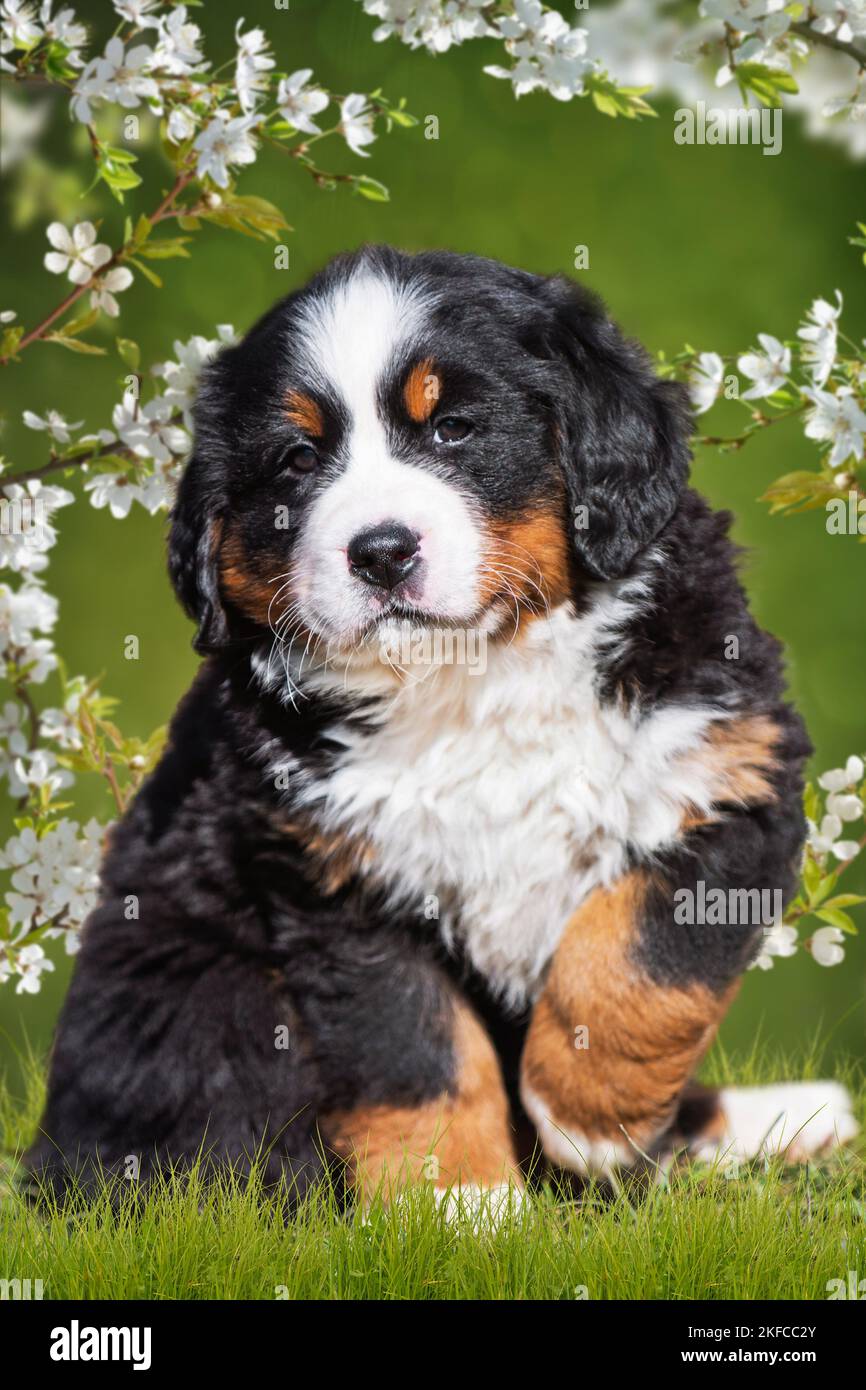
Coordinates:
[383,555]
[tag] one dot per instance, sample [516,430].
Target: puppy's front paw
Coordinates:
[481,1208]
[571,1148]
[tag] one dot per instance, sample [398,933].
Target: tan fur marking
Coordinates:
[740,756]
[305,413]
[529,556]
[645,1040]
[337,856]
[460,1138]
[247,591]
[422,390]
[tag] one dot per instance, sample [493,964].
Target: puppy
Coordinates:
[482,710]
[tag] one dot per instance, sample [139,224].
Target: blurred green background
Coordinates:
[687,244]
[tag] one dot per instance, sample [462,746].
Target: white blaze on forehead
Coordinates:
[352,336]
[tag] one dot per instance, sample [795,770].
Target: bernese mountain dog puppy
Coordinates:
[482,710]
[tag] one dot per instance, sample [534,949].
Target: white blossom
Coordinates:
[156,492]
[819,334]
[39,768]
[225,140]
[53,422]
[767,370]
[356,123]
[24,545]
[824,839]
[779,940]
[181,377]
[705,381]
[63,27]
[23,613]
[118,76]
[839,779]
[138,12]
[14,743]
[78,254]
[846,19]
[181,125]
[838,419]
[845,805]
[550,54]
[254,60]
[431,24]
[177,49]
[55,878]
[113,490]
[826,946]
[150,430]
[116,280]
[741,14]
[61,725]
[30,962]
[298,103]
[19,27]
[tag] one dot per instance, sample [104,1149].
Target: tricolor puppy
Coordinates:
[482,711]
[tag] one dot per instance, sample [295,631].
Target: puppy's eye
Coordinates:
[451,430]
[302,459]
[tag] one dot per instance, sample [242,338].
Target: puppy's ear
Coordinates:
[196,521]
[623,434]
[193,551]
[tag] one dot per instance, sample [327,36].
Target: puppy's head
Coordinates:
[436,438]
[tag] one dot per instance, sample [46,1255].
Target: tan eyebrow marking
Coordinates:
[422,390]
[305,413]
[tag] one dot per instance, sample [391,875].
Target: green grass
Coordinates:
[773,1232]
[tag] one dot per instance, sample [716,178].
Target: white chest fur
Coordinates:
[505,798]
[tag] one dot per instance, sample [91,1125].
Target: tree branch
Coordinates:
[830,41]
[162,211]
[58,465]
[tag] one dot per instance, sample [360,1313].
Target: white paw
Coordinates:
[481,1208]
[798,1118]
[570,1148]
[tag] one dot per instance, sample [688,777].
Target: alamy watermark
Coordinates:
[718,125]
[716,907]
[435,646]
[23,516]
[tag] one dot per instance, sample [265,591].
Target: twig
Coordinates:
[161,212]
[829,41]
[57,465]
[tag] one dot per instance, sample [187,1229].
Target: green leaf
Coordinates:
[81,324]
[811,877]
[117,154]
[129,351]
[10,340]
[148,274]
[767,83]
[613,100]
[402,118]
[835,918]
[261,214]
[143,229]
[844,900]
[74,344]
[813,489]
[371,188]
[164,249]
